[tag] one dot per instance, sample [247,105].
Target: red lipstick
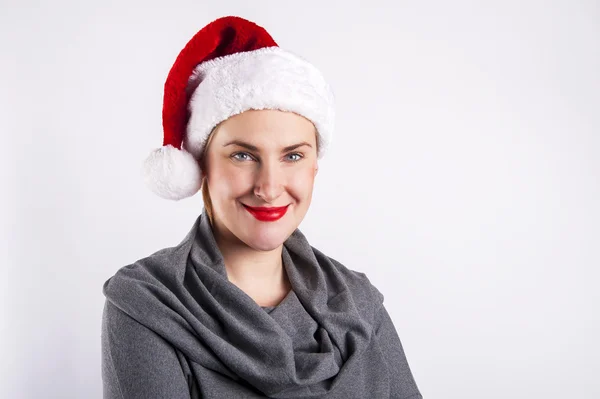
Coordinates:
[267,214]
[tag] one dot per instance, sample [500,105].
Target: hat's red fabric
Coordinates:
[224,36]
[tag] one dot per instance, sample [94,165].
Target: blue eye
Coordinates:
[237,155]
[299,157]
[240,153]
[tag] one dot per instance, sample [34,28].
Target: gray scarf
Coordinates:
[318,342]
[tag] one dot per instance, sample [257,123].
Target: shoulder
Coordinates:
[151,264]
[131,283]
[358,280]
[365,294]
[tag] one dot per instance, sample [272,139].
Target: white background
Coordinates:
[464,178]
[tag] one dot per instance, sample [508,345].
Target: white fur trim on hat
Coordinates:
[266,78]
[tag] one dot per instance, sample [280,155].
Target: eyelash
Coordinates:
[242,152]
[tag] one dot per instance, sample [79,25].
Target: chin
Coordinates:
[265,247]
[266,238]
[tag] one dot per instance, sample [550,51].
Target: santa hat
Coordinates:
[230,66]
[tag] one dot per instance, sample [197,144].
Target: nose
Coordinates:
[270,180]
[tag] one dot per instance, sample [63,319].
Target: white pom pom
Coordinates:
[172,173]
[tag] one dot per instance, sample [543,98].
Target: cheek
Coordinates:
[227,181]
[303,181]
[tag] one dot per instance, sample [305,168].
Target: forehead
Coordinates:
[267,126]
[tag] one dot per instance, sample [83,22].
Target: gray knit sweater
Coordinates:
[174,326]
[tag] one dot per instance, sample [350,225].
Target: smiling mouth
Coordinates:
[267,214]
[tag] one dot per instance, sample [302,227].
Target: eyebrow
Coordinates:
[254,148]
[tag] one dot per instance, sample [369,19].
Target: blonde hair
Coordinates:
[205,194]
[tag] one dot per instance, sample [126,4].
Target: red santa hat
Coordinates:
[230,66]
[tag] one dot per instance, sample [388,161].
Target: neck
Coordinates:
[258,273]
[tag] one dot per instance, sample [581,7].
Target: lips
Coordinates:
[267,214]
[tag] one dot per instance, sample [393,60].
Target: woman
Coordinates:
[244,306]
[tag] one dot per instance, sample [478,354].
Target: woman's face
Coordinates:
[247,163]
